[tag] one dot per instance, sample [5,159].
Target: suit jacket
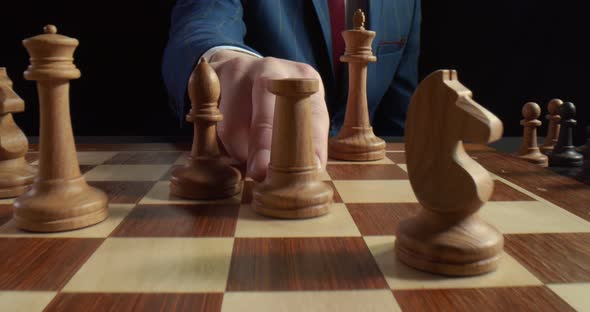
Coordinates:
[299,30]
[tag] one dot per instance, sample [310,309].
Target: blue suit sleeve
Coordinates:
[196,26]
[405,80]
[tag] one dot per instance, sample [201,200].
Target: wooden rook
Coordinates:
[553,128]
[60,199]
[564,153]
[447,236]
[205,176]
[292,188]
[356,140]
[529,150]
[16,175]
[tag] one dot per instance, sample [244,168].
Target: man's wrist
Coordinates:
[212,51]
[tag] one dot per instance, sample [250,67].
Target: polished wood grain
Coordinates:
[356,140]
[337,197]
[533,299]
[203,220]
[205,175]
[365,172]
[529,150]
[145,302]
[398,158]
[86,168]
[381,218]
[318,263]
[394,146]
[503,192]
[60,199]
[553,258]
[42,263]
[16,175]
[124,192]
[143,158]
[5,213]
[292,188]
[578,173]
[477,147]
[469,147]
[448,237]
[563,191]
[554,120]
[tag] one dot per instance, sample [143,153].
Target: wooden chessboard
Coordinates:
[157,253]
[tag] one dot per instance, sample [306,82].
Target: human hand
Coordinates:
[248,108]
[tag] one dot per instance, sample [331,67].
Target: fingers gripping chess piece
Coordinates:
[60,199]
[564,153]
[529,150]
[292,188]
[205,176]
[356,140]
[16,175]
[553,128]
[447,236]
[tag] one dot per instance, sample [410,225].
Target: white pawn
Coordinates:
[529,150]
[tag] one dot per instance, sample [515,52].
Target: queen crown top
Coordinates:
[359,20]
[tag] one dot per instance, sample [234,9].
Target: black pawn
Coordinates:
[585,149]
[564,153]
[585,175]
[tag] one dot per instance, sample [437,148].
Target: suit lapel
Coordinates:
[375,7]
[323,14]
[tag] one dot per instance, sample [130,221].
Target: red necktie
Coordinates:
[337,24]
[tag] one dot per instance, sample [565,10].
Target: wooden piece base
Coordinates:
[546,149]
[356,144]
[535,157]
[568,158]
[294,199]
[60,205]
[16,177]
[471,247]
[205,179]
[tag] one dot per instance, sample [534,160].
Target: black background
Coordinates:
[507,52]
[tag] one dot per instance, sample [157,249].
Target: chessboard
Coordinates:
[160,253]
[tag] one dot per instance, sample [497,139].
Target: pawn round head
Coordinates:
[531,110]
[567,110]
[553,106]
[50,29]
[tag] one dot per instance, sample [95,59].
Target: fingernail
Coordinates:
[259,164]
